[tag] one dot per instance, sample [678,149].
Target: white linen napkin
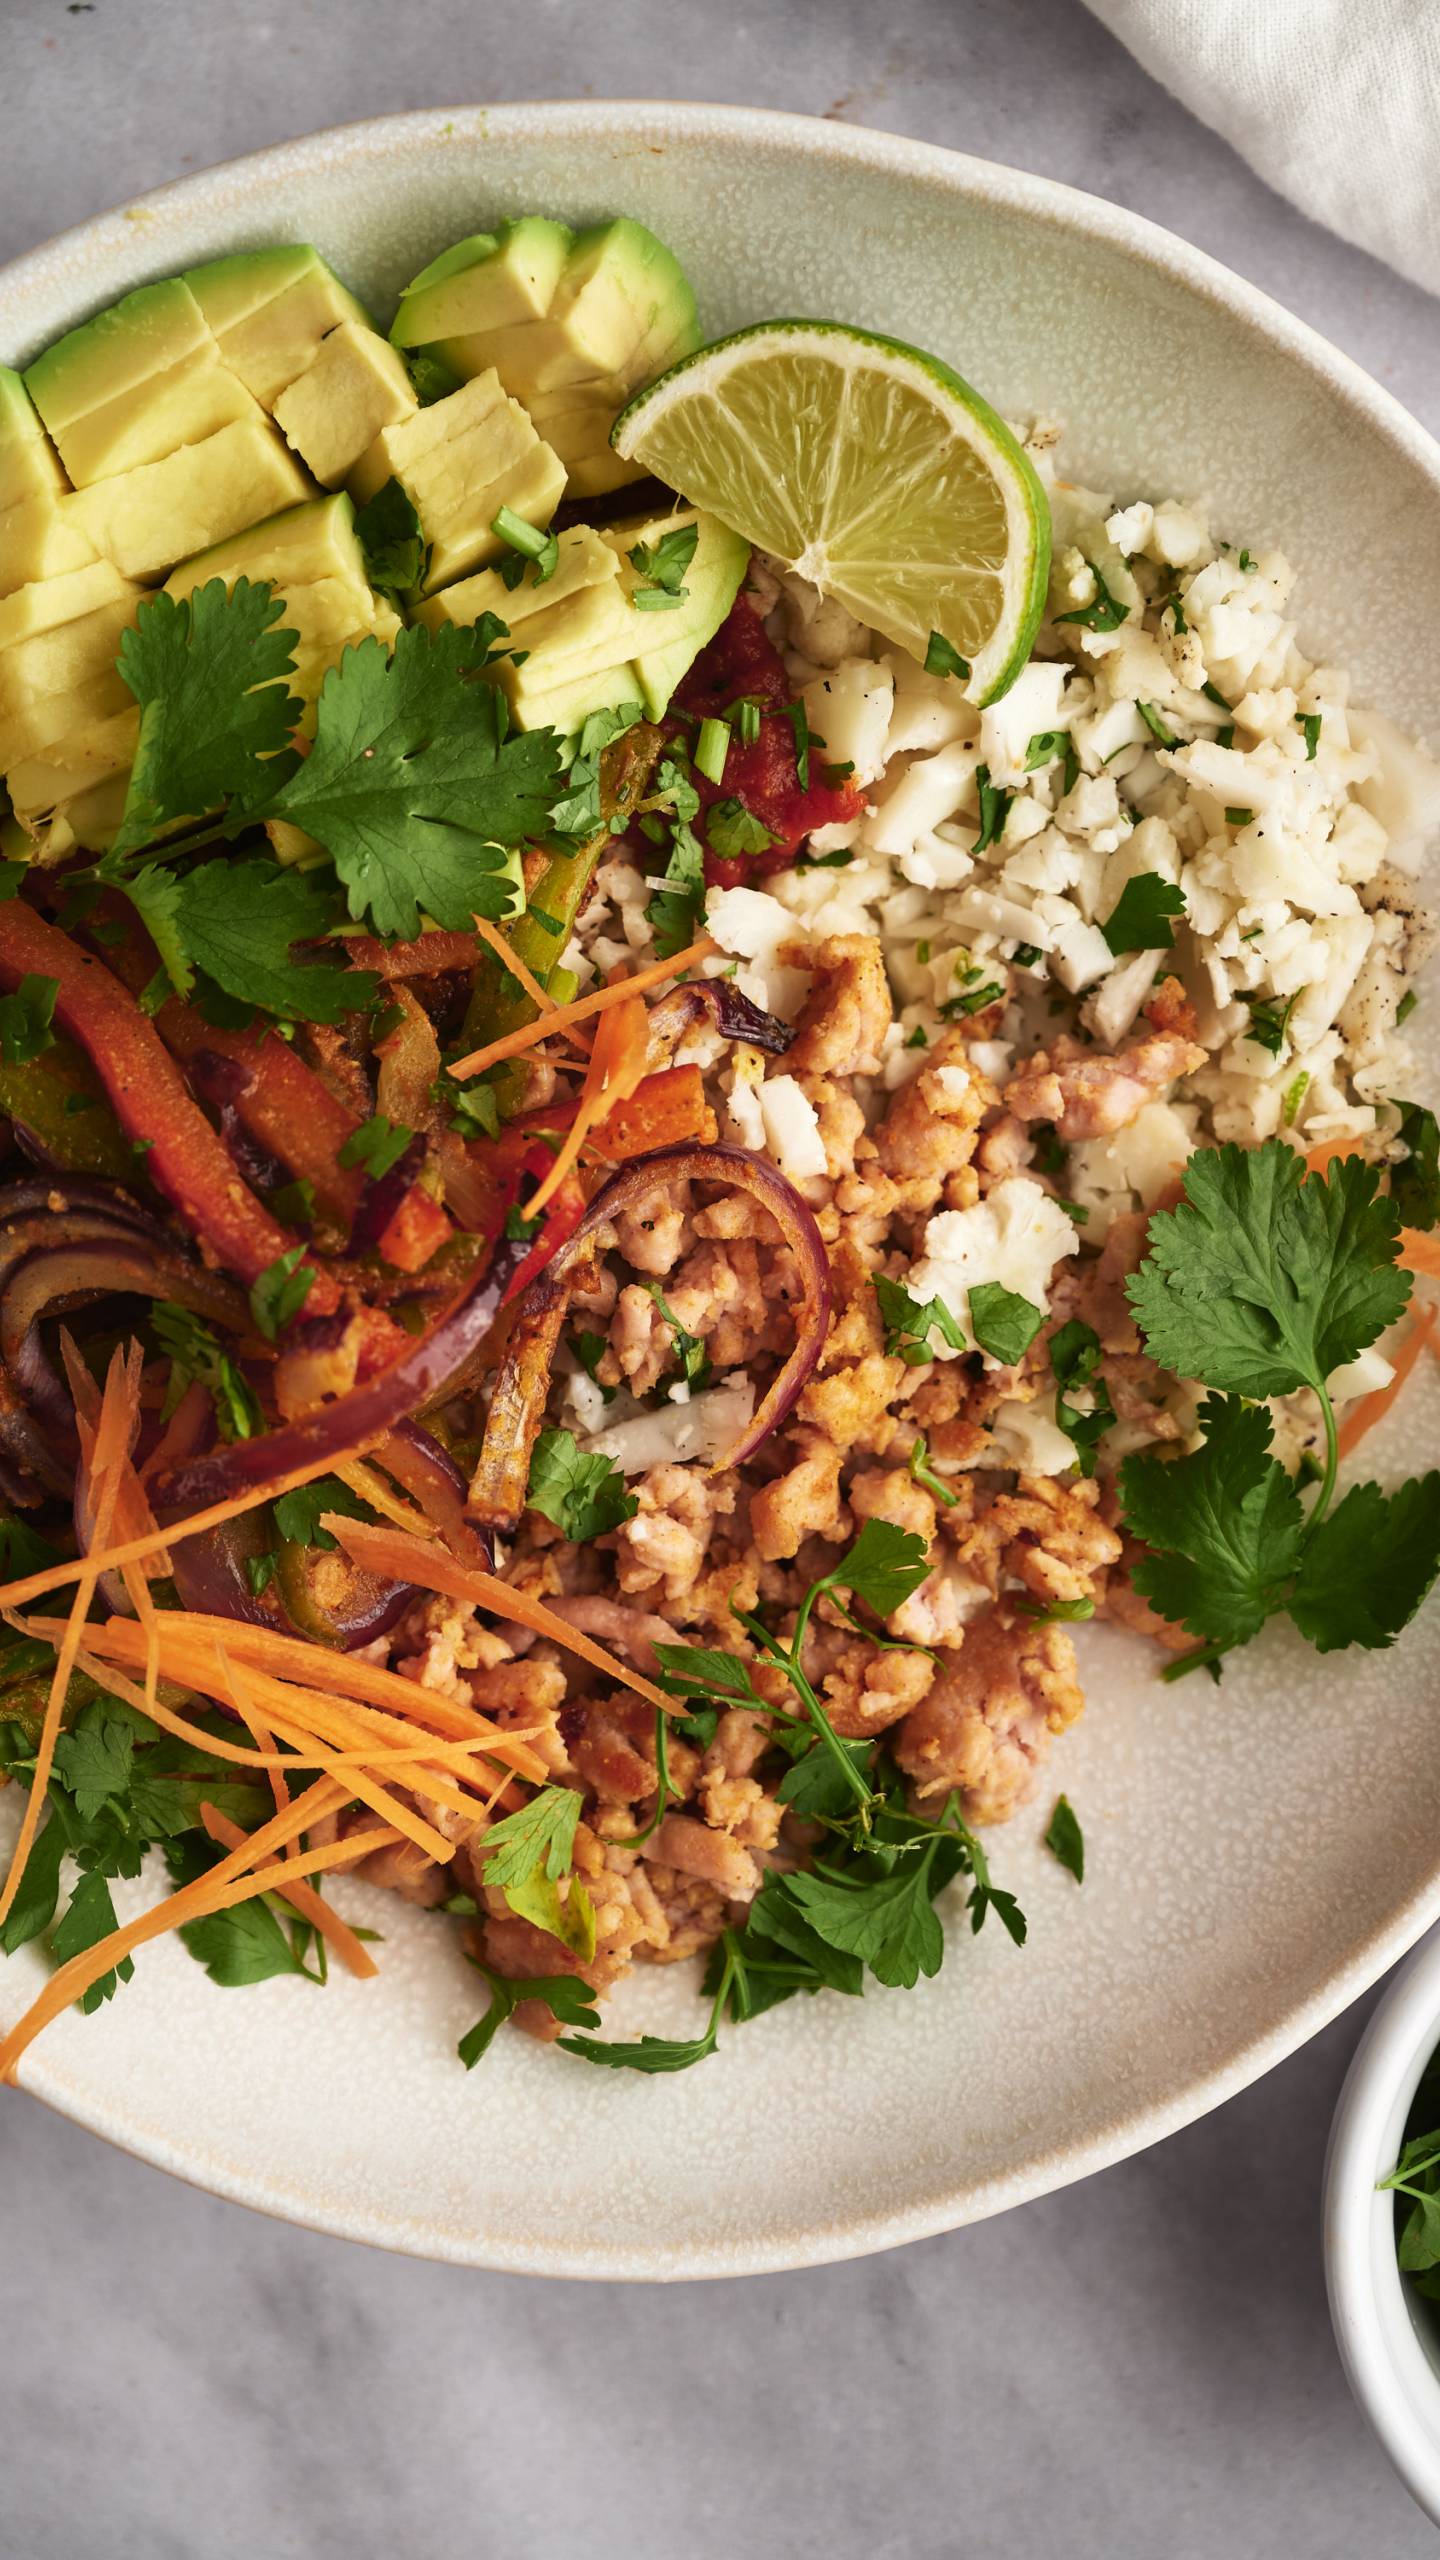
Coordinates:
[1334,102]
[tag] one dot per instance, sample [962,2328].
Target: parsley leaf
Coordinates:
[565,1995]
[665,2053]
[663,565]
[194,1352]
[89,1918]
[390,534]
[1369,1565]
[730,830]
[909,1323]
[237,920]
[1415,1183]
[1224,1526]
[941,659]
[994,810]
[1075,1356]
[1065,1840]
[1105,614]
[297,1514]
[1140,917]
[242,1945]
[883,1567]
[583,1493]
[528,1854]
[210,672]
[413,786]
[25,1019]
[1003,1323]
[678,902]
[277,1297]
[1262,1280]
[690,1351]
[378,1144]
[690,1669]
[888,1921]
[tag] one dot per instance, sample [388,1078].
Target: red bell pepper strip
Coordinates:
[184,1157]
[287,1108]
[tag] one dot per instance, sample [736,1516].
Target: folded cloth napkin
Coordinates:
[1334,102]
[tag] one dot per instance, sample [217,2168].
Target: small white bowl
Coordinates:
[1389,2345]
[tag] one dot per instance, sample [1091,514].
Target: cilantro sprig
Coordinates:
[582,1492]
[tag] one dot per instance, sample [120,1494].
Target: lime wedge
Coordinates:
[870,468]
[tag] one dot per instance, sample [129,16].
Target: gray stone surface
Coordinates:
[1138,2366]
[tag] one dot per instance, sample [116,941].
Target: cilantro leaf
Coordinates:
[378,1144]
[1140,917]
[1075,1356]
[942,659]
[194,1352]
[1262,1281]
[883,1568]
[238,920]
[1065,1840]
[25,1019]
[1415,1183]
[888,1921]
[1369,1565]
[689,1350]
[1003,1323]
[678,902]
[390,534]
[89,1918]
[730,829]
[210,672]
[582,1492]
[909,1324]
[1224,1524]
[687,1670]
[663,565]
[297,1515]
[413,786]
[154,893]
[277,1297]
[994,810]
[1105,614]
[565,1995]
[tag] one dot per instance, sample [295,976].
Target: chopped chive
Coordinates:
[1406,1007]
[711,748]
[1308,723]
[528,540]
[1239,818]
[1155,725]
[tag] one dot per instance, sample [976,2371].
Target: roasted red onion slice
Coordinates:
[428,1473]
[734,1017]
[73,1270]
[45,1196]
[352,1422]
[498,1490]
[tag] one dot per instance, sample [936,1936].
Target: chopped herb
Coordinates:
[583,1493]
[527,1857]
[711,748]
[1240,818]
[1246,562]
[1406,1007]
[731,830]
[909,1324]
[1065,1840]
[1140,919]
[994,810]
[942,659]
[663,565]
[277,1297]
[1155,725]
[528,542]
[1026,954]
[1308,723]
[195,1353]
[1226,737]
[378,1144]
[678,902]
[1295,1093]
[392,538]
[565,1995]
[25,1019]
[590,1350]
[1415,1182]
[1003,1323]
[917,1038]
[297,1514]
[1267,1027]
[1105,614]
[690,1351]
[1075,1356]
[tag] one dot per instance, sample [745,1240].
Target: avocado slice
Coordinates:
[48,721]
[29,463]
[302,544]
[61,599]
[40,538]
[583,559]
[62,658]
[489,281]
[269,310]
[183,405]
[354,385]
[459,462]
[147,519]
[150,331]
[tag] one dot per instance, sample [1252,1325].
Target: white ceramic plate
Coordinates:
[1258,1853]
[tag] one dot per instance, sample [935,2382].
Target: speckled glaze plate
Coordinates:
[1259,1853]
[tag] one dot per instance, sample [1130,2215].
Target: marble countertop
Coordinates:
[1139,2365]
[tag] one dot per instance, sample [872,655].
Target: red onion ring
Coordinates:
[735,1017]
[427,1472]
[72,1270]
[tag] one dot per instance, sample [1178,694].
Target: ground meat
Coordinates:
[803,1502]
[655,1231]
[1089,1093]
[1053,1539]
[712,1857]
[1099,1286]
[852,1406]
[867,1689]
[664,1546]
[841,1121]
[984,1725]
[1169,1009]
[724,1293]
[841,1031]
[928,1135]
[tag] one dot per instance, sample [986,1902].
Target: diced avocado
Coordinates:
[45,723]
[62,659]
[459,462]
[74,793]
[331,413]
[87,823]
[487,282]
[146,520]
[577,421]
[619,279]
[41,539]
[183,405]
[29,463]
[269,309]
[302,544]
[583,559]
[61,599]
[150,331]
[325,618]
[595,647]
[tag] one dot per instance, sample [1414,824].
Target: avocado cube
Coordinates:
[667,642]
[269,309]
[85,824]
[567,705]
[354,385]
[63,659]
[487,282]
[145,520]
[459,462]
[40,539]
[183,405]
[29,464]
[302,544]
[150,331]
[47,721]
[65,598]
[583,560]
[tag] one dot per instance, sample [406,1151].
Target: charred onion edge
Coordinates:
[535,1309]
[735,1017]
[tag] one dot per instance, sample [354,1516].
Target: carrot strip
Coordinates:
[616,1067]
[1420,1252]
[373,1488]
[561,1016]
[511,961]
[435,1569]
[219,1889]
[1373,1408]
[303,1898]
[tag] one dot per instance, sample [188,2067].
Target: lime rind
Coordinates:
[889,386]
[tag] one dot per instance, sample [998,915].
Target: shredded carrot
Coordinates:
[616,1067]
[1317,1158]
[260,1733]
[219,1889]
[132,1513]
[1373,1408]
[114,1432]
[376,1489]
[303,1898]
[435,1569]
[1419,1252]
[512,962]
[584,1007]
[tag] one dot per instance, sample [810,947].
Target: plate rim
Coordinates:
[81,252]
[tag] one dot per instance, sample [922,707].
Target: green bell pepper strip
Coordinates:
[58,1097]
